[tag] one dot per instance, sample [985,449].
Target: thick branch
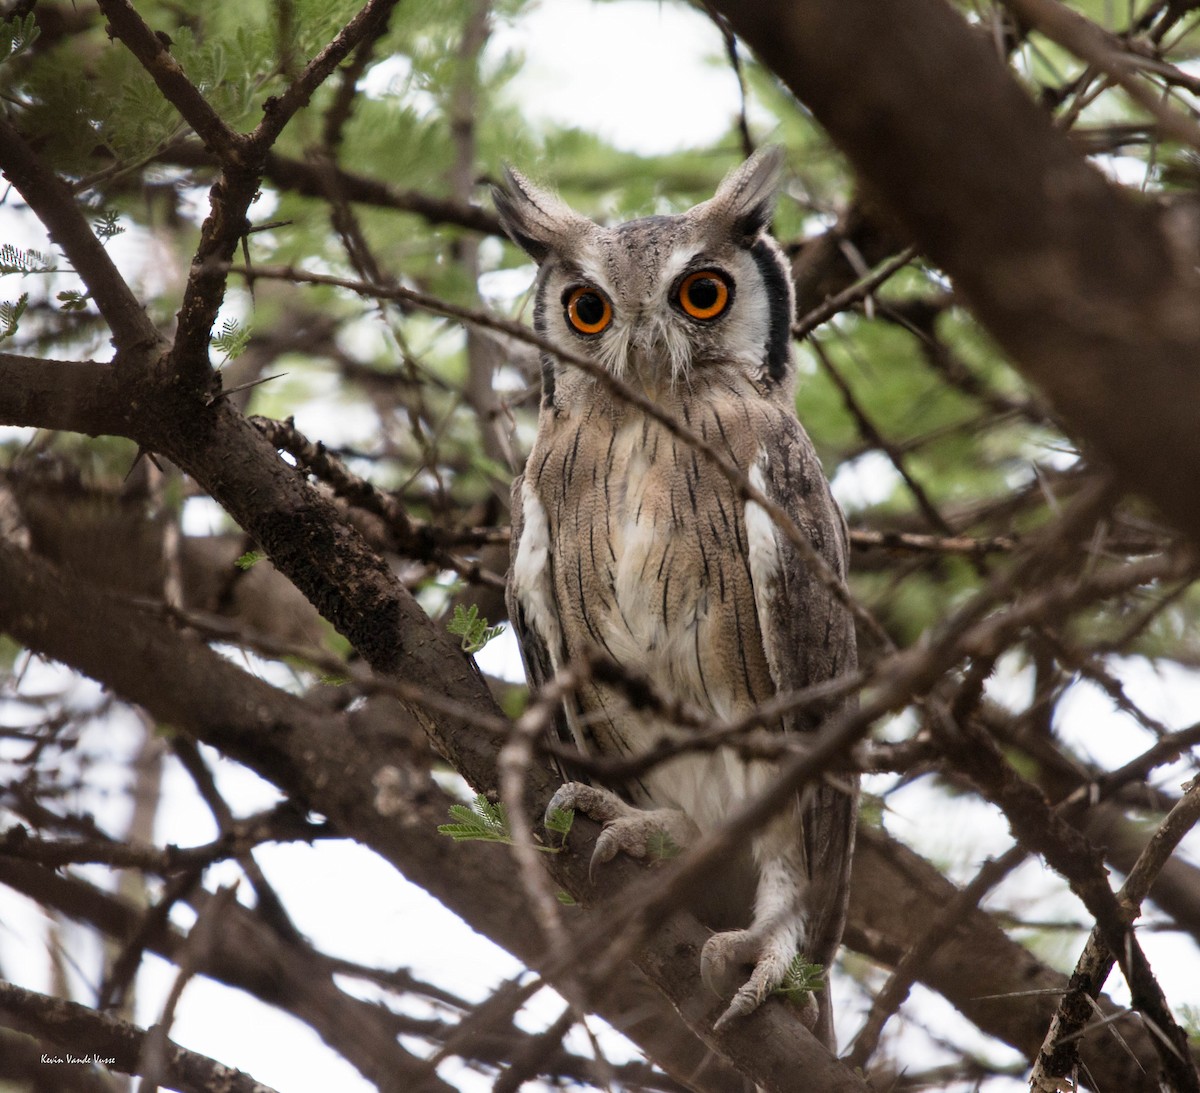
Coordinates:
[77,396]
[1095,295]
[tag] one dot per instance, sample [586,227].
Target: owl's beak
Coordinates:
[650,358]
[648,368]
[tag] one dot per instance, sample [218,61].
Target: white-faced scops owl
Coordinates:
[629,543]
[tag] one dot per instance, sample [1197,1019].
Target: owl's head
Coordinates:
[664,299]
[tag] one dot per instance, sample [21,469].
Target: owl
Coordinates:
[628,543]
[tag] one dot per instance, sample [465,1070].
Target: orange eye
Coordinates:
[704,295]
[588,310]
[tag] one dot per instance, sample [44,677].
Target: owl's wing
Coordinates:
[535,650]
[808,637]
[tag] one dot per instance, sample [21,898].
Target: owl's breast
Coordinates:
[651,563]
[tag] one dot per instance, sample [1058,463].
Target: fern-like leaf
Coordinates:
[249,559]
[481,820]
[72,300]
[19,260]
[802,978]
[17,35]
[559,821]
[484,821]
[232,339]
[108,226]
[473,630]
[10,315]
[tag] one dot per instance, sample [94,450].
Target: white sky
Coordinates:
[637,72]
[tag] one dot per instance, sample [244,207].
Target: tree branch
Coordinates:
[55,206]
[152,51]
[1095,296]
[83,1033]
[76,396]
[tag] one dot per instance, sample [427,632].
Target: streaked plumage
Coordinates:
[628,541]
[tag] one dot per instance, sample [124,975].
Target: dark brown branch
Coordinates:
[1102,51]
[1041,830]
[309,180]
[860,290]
[80,1031]
[1059,1053]
[76,396]
[908,969]
[1095,295]
[413,538]
[55,206]
[16,842]
[126,24]
[279,110]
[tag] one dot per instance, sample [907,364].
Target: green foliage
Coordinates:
[17,35]
[9,651]
[1189,1019]
[802,979]
[485,821]
[107,226]
[231,340]
[10,315]
[249,559]
[72,300]
[17,260]
[480,821]
[661,847]
[473,630]
[559,822]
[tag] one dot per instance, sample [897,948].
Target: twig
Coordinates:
[1041,829]
[413,537]
[56,208]
[151,51]
[873,435]
[55,853]
[918,543]
[152,1063]
[893,993]
[860,290]
[1058,1054]
[1098,48]
[278,110]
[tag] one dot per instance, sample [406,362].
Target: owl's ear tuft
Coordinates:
[535,219]
[745,201]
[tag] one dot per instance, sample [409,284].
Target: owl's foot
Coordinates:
[770,949]
[647,834]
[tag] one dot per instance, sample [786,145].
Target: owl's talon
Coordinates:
[769,950]
[637,832]
[601,805]
[608,843]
